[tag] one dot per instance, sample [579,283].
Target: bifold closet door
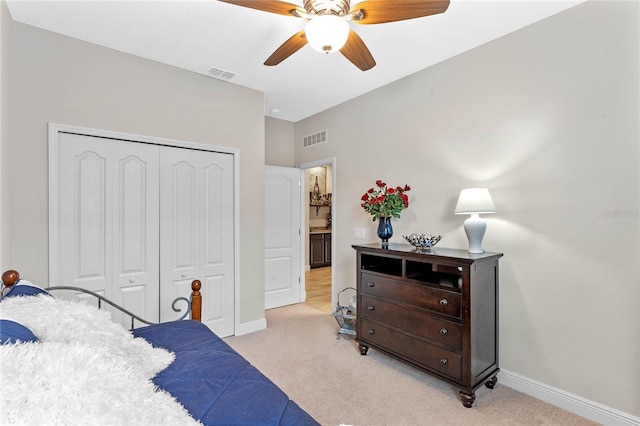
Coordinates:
[108,221]
[196,233]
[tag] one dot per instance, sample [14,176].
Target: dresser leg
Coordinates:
[467,398]
[363,349]
[492,382]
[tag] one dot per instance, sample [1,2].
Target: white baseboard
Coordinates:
[583,407]
[251,327]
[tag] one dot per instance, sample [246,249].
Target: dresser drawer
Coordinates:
[417,351]
[413,321]
[421,296]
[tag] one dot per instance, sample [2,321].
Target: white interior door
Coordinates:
[108,221]
[196,231]
[284,282]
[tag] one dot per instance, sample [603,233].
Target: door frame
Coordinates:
[54,129]
[334,191]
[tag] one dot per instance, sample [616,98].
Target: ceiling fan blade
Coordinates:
[357,52]
[273,6]
[287,49]
[381,11]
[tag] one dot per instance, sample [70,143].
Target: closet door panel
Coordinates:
[184,210]
[216,289]
[217,261]
[84,245]
[136,222]
[214,180]
[90,219]
[108,221]
[179,236]
[197,233]
[132,196]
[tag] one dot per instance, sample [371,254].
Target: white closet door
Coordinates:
[196,229]
[108,221]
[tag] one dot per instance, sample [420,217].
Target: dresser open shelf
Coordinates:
[436,310]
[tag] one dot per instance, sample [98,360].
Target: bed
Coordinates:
[66,362]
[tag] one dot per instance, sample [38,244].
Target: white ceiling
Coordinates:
[196,35]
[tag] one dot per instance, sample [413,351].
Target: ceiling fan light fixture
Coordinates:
[327,33]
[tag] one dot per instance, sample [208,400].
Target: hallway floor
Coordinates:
[318,287]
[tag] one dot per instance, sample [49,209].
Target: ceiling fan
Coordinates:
[327,29]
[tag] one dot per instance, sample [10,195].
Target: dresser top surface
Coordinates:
[406,249]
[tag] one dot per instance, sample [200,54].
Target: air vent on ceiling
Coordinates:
[221,74]
[316,138]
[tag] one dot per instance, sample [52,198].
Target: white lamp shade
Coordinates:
[475,200]
[327,33]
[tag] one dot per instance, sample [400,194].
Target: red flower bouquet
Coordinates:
[384,201]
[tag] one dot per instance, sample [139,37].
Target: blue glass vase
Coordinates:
[385,230]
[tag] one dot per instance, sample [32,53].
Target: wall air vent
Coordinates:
[220,73]
[316,138]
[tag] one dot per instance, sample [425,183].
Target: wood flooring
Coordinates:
[318,287]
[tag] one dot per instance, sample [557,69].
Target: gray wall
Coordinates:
[5,21]
[278,142]
[64,80]
[547,119]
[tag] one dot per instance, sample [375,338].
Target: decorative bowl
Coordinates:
[422,241]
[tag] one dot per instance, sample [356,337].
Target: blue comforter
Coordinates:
[215,383]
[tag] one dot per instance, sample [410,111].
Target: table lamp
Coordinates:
[475,201]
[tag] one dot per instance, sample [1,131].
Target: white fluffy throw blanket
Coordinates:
[85,370]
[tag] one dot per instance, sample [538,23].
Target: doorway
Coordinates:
[319,208]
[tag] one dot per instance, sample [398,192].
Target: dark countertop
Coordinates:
[319,230]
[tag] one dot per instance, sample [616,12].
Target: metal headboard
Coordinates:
[133,316]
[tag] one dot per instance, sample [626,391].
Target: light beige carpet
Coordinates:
[326,375]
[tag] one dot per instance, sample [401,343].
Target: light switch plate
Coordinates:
[358,233]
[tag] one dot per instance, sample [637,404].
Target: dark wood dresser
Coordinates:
[436,310]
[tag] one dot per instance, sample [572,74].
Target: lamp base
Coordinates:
[475,228]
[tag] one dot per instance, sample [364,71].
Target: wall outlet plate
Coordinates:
[358,233]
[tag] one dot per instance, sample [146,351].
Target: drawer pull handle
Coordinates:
[371,308]
[371,284]
[460,268]
[371,331]
[444,361]
[444,302]
[444,331]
